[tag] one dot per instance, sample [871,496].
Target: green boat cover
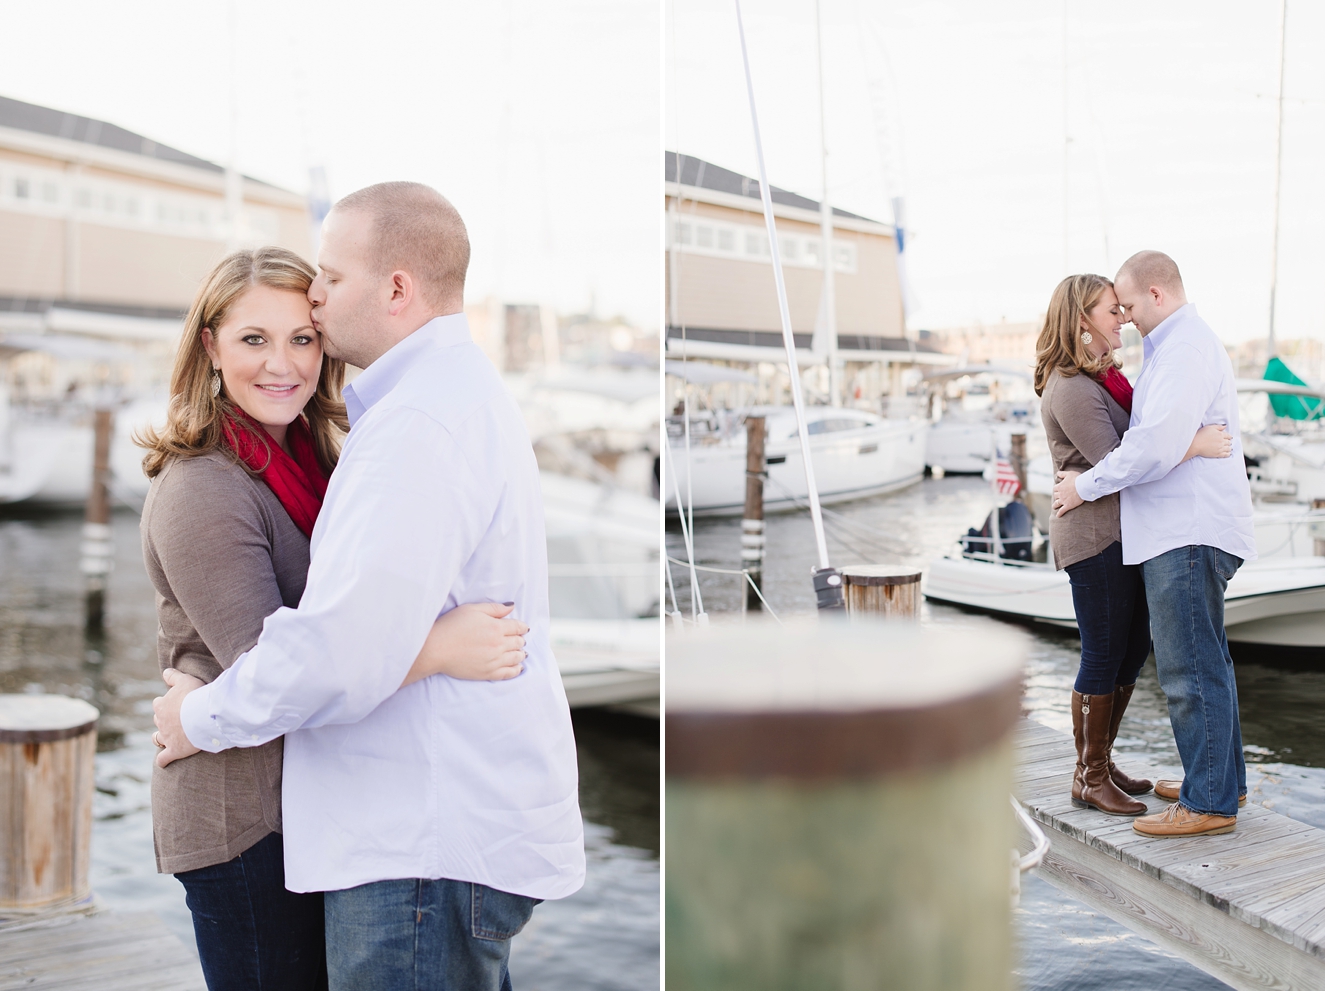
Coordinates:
[1293,407]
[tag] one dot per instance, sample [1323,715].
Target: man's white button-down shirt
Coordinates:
[435,502]
[1186,382]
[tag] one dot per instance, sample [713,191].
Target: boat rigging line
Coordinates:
[827,579]
[728,571]
[696,600]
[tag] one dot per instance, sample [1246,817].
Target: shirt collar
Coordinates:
[382,375]
[1157,336]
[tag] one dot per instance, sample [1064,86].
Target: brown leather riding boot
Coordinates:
[1079,736]
[1122,694]
[1097,788]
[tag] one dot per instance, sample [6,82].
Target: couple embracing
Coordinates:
[1152,517]
[367,775]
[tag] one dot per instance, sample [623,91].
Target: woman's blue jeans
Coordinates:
[1185,588]
[1110,601]
[252,934]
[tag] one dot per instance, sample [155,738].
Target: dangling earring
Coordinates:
[216,382]
[1085,337]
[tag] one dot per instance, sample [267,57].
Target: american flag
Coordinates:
[1005,479]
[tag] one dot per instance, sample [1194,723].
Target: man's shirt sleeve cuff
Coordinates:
[198,723]
[1087,487]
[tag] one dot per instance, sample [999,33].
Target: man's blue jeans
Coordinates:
[1185,592]
[422,935]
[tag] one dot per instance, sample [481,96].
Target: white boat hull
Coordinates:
[1275,602]
[851,464]
[959,448]
[609,662]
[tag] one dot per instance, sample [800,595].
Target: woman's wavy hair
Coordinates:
[1059,345]
[195,420]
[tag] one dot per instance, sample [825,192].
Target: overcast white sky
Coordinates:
[959,106]
[540,121]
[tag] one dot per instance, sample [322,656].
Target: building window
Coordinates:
[22,189]
[50,192]
[747,241]
[83,198]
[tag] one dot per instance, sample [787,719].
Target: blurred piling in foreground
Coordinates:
[837,807]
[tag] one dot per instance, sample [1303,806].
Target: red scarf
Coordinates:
[297,481]
[1117,385]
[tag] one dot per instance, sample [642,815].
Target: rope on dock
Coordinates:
[724,571]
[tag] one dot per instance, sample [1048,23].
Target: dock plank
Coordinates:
[105,951]
[1247,907]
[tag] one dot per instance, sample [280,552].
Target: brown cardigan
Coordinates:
[223,555]
[1083,424]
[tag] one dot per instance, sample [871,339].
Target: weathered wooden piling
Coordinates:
[837,807]
[1018,460]
[47,747]
[97,551]
[884,590]
[752,525]
[1317,543]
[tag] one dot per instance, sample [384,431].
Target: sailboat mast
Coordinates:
[789,342]
[1278,179]
[234,182]
[826,230]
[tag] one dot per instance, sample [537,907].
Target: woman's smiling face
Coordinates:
[269,355]
[1106,318]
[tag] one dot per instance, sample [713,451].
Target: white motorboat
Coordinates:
[48,455]
[963,440]
[1275,601]
[603,578]
[855,454]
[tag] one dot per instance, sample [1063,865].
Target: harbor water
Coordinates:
[603,938]
[1062,944]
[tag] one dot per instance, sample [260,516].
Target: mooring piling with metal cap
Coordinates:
[48,744]
[837,812]
[885,590]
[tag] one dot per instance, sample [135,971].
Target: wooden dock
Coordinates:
[101,951]
[1247,907]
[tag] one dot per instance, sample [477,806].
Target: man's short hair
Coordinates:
[1152,268]
[416,229]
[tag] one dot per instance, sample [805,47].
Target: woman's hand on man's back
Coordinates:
[474,642]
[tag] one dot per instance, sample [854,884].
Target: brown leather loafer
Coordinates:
[1169,789]
[1178,820]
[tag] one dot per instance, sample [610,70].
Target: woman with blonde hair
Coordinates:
[1086,404]
[238,476]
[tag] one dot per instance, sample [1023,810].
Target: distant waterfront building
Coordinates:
[720,286]
[1001,343]
[106,232]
